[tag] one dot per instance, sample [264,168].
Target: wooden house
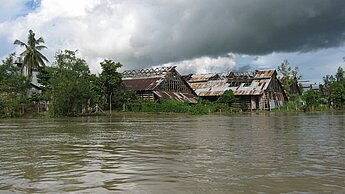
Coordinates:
[159,83]
[259,90]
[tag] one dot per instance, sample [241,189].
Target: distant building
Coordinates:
[259,90]
[35,87]
[159,83]
[309,85]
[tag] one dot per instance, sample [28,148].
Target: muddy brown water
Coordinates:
[155,153]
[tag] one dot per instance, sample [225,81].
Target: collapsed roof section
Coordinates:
[159,83]
[144,73]
[241,83]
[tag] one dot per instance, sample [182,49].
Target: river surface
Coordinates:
[154,153]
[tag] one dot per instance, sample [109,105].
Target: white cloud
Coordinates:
[205,65]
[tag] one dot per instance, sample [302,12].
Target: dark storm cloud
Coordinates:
[146,33]
[213,28]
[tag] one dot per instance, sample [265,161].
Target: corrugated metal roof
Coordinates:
[142,84]
[257,87]
[216,93]
[210,84]
[178,96]
[203,77]
[264,73]
[211,88]
[217,88]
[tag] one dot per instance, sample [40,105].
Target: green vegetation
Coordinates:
[111,86]
[13,87]
[228,97]
[290,77]
[203,107]
[334,89]
[68,85]
[330,97]
[70,89]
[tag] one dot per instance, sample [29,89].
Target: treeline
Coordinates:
[69,89]
[67,86]
[330,96]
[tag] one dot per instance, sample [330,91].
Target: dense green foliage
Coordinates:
[68,85]
[312,99]
[228,97]
[70,89]
[111,87]
[334,89]
[202,107]
[13,87]
[330,96]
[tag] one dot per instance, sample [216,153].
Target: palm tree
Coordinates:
[33,59]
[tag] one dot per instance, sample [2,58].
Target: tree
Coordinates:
[227,97]
[333,89]
[68,85]
[337,96]
[111,82]
[326,88]
[33,58]
[290,76]
[340,75]
[13,87]
[288,71]
[312,98]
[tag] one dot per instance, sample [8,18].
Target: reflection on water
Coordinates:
[152,153]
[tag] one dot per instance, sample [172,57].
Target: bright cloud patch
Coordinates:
[205,65]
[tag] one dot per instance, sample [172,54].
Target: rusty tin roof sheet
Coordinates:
[142,84]
[203,77]
[217,88]
[210,93]
[210,84]
[257,87]
[211,88]
[264,73]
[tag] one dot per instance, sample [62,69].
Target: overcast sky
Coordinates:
[198,36]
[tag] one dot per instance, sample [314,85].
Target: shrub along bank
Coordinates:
[178,107]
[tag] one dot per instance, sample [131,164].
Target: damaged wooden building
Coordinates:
[259,90]
[159,83]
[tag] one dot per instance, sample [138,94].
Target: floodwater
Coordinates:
[153,153]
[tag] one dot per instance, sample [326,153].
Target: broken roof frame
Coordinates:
[259,82]
[152,72]
[148,80]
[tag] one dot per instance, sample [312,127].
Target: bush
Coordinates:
[228,97]
[202,107]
